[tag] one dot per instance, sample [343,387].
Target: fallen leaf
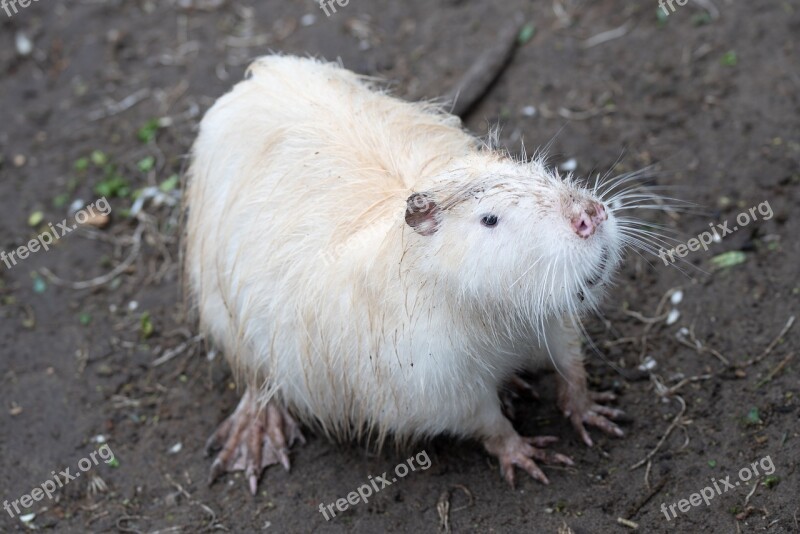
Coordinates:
[728,259]
[35,218]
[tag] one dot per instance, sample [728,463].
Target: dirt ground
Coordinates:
[104,97]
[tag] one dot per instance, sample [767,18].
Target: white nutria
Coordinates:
[370,268]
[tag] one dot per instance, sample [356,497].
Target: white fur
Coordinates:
[306,275]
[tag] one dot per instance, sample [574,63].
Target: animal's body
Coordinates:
[368,266]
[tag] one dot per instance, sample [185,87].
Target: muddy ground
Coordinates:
[104,97]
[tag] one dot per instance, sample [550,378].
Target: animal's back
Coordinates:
[302,165]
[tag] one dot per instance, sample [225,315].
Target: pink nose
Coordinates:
[586,222]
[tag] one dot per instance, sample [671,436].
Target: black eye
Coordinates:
[489,220]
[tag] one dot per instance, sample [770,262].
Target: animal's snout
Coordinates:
[587,219]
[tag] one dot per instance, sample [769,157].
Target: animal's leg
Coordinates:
[252,438]
[515,388]
[574,398]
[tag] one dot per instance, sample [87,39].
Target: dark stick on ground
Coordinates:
[487,68]
[638,506]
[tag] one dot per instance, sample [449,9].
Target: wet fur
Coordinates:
[304,273]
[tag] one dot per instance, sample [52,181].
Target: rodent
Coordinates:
[368,266]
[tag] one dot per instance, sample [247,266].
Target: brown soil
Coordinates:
[712,103]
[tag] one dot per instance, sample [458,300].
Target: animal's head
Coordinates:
[507,234]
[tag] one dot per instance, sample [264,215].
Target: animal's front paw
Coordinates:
[520,452]
[581,407]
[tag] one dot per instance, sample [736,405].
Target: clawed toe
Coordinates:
[541,441]
[602,396]
[522,387]
[613,413]
[517,451]
[593,418]
[582,408]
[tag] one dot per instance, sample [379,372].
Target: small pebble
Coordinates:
[529,111]
[676,297]
[175,449]
[76,206]
[648,365]
[569,165]
[308,19]
[673,316]
[39,285]
[24,44]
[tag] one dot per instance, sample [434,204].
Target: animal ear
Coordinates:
[422,214]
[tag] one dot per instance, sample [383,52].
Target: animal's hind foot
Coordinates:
[252,438]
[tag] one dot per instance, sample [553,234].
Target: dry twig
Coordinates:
[114,108]
[609,35]
[213,524]
[778,368]
[172,353]
[106,278]
[675,422]
[752,491]
[696,344]
[486,69]
[443,507]
[652,493]
[627,523]
[771,346]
